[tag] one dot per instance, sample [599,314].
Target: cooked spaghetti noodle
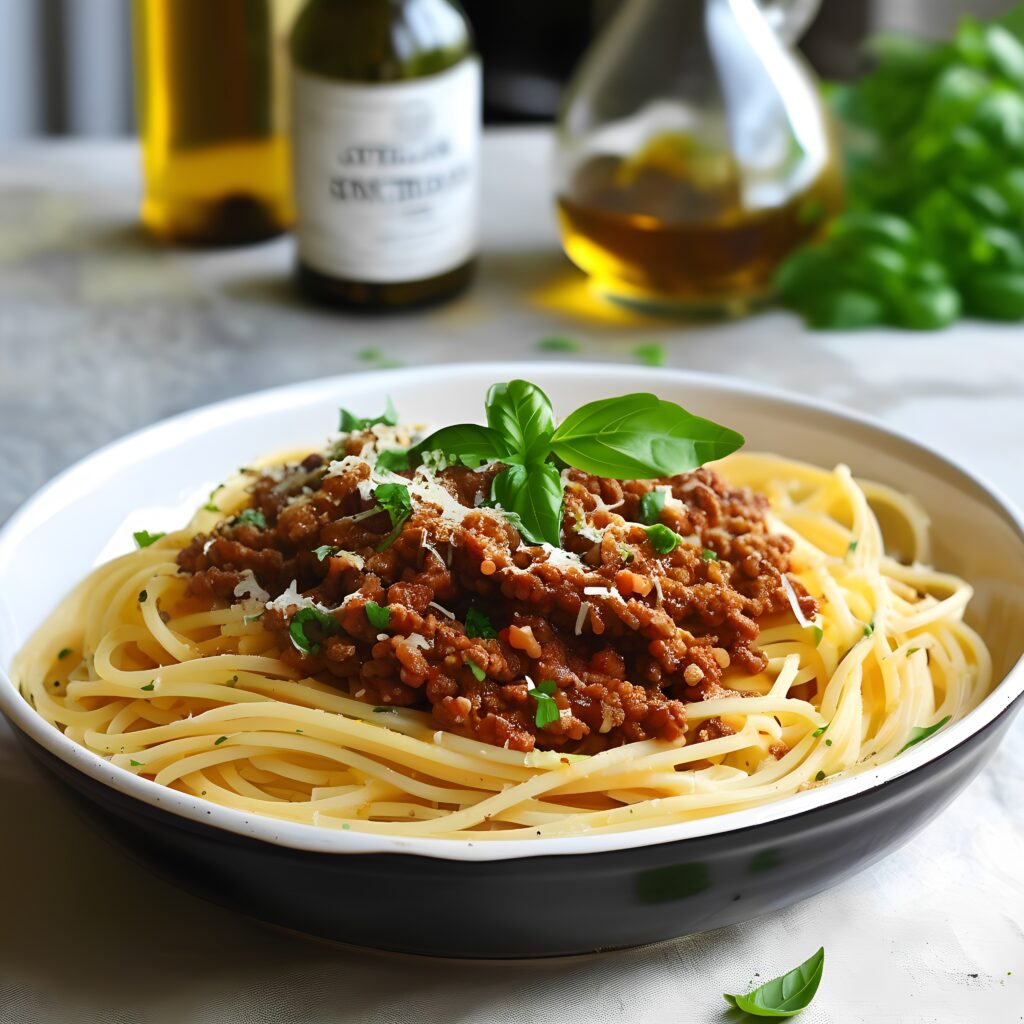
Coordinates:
[196,693]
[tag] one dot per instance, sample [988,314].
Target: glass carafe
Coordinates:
[694,152]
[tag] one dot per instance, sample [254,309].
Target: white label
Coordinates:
[386,176]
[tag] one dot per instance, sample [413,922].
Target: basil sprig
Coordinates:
[786,995]
[628,437]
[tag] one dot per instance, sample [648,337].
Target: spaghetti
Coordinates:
[198,694]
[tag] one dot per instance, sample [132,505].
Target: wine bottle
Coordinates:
[385,128]
[210,82]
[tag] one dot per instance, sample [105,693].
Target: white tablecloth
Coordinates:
[101,332]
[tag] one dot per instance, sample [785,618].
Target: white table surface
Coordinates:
[102,332]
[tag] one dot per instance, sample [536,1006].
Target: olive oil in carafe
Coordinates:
[670,226]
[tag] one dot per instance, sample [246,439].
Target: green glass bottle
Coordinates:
[386,130]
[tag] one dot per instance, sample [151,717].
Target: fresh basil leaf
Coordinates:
[250,517]
[786,995]
[534,493]
[662,539]
[143,538]
[468,443]
[393,460]
[325,625]
[708,555]
[547,707]
[651,506]
[478,624]
[349,422]
[639,436]
[521,413]
[922,732]
[378,615]
[478,673]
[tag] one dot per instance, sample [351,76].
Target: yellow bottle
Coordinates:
[210,85]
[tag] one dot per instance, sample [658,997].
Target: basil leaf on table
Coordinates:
[468,443]
[521,413]
[639,435]
[786,995]
[534,494]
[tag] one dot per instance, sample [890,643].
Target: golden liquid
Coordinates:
[210,79]
[651,230]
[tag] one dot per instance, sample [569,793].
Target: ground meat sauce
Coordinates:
[626,659]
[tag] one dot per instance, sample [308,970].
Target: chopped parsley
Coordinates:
[219,740]
[828,743]
[818,633]
[143,538]
[819,776]
[922,732]
[325,624]
[869,628]
[379,616]
[63,653]
[395,500]
[662,539]
[393,460]
[383,711]
[626,553]
[323,551]
[478,624]
[708,555]
[819,731]
[651,355]
[547,707]
[559,345]
[478,673]
[135,764]
[143,595]
[348,422]
[151,685]
[852,547]
[250,517]
[651,505]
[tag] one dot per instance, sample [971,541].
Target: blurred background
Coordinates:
[65,65]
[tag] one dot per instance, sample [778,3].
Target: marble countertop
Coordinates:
[102,332]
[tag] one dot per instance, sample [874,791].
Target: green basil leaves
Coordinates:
[639,436]
[534,494]
[631,436]
[786,995]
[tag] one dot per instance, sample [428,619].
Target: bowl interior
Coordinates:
[153,480]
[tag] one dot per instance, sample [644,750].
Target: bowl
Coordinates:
[507,898]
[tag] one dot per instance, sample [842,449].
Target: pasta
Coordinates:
[197,695]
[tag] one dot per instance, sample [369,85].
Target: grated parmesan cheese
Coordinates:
[291,598]
[582,617]
[441,609]
[249,587]
[597,592]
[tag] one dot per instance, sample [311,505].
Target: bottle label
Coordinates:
[386,176]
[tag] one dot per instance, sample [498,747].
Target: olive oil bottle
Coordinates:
[385,128]
[210,85]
